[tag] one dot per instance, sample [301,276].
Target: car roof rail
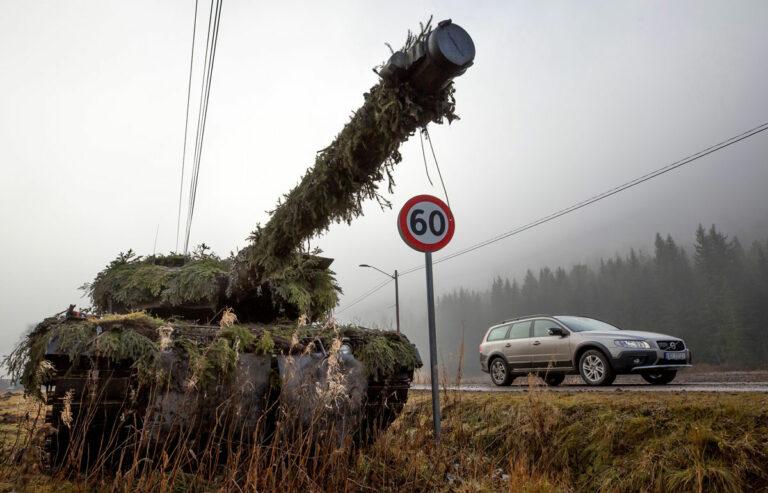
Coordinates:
[527,316]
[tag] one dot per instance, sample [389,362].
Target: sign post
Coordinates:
[426,224]
[432,347]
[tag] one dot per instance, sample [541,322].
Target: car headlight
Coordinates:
[632,344]
[345,349]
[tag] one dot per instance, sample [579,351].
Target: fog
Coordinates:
[565,100]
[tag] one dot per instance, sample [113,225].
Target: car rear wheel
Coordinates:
[595,368]
[661,377]
[500,372]
[554,379]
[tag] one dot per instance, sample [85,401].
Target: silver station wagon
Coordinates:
[555,346]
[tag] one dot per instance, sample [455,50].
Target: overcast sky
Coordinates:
[566,99]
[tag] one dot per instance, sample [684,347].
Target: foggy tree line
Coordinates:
[714,295]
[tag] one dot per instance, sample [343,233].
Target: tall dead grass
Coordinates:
[538,441]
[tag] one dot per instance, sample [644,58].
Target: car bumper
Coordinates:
[484,363]
[648,360]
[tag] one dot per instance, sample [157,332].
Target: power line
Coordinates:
[195,164]
[214,18]
[186,124]
[579,205]
[201,120]
[601,196]
[154,246]
[364,296]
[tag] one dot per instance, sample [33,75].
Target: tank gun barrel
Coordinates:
[432,62]
[415,89]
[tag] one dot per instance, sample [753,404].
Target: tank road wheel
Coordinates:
[595,368]
[661,377]
[500,372]
[554,379]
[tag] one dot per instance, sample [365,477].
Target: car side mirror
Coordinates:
[558,331]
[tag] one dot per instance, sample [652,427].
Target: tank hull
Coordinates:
[104,413]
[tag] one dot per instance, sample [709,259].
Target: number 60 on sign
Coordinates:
[425,223]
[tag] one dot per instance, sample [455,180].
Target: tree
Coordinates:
[715,299]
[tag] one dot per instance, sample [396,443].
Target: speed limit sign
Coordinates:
[426,223]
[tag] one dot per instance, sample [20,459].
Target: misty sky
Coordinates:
[565,100]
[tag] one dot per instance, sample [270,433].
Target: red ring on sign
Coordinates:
[409,239]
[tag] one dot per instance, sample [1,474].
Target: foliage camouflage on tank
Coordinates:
[138,338]
[194,287]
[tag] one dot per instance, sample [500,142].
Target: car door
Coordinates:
[549,351]
[517,347]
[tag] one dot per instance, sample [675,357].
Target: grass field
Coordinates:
[531,442]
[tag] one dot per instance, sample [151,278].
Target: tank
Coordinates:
[194,352]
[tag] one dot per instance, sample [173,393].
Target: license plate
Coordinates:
[675,356]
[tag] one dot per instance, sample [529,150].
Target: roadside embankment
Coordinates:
[538,441]
[622,441]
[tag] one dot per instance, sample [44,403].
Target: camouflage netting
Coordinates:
[138,339]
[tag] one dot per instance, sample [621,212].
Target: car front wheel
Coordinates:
[660,377]
[595,368]
[500,373]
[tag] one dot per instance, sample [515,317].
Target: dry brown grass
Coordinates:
[533,442]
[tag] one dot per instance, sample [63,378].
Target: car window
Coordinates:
[541,327]
[584,324]
[498,333]
[520,330]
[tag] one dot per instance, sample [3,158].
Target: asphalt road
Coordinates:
[686,381]
[728,387]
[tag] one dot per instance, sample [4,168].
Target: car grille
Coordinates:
[671,345]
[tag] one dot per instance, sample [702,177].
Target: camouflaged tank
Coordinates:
[193,350]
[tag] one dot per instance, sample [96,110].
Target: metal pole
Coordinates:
[397,303]
[433,348]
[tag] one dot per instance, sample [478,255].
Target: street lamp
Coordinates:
[397,292]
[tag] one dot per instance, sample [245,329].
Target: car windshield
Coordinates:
[583,324]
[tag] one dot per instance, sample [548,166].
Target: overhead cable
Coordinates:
[596,198]
[211,43]
[601,196]
[186,125]
[362,297]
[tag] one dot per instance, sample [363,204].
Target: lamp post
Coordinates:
[397,292]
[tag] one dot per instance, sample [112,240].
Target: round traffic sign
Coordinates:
[425,223]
